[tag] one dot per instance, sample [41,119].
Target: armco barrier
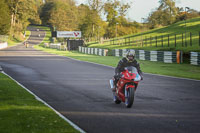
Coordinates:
[3,45]
[163,56]
[94,51]
[195,58]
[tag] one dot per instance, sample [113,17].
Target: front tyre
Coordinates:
[129,97]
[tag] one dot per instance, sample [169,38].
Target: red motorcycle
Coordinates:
[126,86]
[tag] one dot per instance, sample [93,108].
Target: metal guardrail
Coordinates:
[163,56]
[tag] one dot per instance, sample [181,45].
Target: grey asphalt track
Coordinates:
[80,91]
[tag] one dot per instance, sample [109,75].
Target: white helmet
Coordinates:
[130,55]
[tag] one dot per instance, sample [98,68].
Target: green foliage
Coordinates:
[165,14]
[4,18]
[117,23]
[91,24]
[21,14]
[60,14]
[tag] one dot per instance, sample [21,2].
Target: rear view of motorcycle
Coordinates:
[126,86]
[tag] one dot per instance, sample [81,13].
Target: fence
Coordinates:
[164,56]
[169,40]
[94,51]
[195,58]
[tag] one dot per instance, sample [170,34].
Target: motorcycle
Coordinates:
[126,86]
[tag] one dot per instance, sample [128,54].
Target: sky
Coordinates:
[141,8]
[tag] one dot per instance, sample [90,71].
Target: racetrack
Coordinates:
[80,91]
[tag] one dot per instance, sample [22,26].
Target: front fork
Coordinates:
[126,91]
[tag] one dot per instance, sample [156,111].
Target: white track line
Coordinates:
[39,99]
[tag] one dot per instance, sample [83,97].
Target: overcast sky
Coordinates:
[141,8]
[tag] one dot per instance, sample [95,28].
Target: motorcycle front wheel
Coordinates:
[130,97]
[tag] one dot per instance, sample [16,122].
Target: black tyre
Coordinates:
[130,97]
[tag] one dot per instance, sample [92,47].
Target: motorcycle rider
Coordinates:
[129,60]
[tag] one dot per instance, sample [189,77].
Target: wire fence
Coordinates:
[169,40]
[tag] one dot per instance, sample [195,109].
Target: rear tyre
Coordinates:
[130,97]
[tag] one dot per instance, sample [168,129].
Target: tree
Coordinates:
[164,15]
[91,24]
[96,5]
[61,14]
[4,18]
[21,12]
[115,14]
[63,17]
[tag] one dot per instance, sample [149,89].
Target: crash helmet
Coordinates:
[130,55]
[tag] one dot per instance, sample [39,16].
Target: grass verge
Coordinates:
[157,39]
[12,41]
[177,70]
[20,112]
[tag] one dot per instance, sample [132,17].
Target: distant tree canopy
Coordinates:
[59,14]
[167,13]
[65,15]
[18,14]
[118,25]
[4,18]
[164,15]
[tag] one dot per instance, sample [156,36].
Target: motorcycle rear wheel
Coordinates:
[130,97]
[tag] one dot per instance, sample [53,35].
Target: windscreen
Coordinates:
[131,69]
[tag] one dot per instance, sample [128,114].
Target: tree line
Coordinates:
[16,15]
[66,15]
[167,13]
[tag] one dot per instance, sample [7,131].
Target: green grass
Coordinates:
[193,26]
[20,112]
[177,70]
[15,41]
